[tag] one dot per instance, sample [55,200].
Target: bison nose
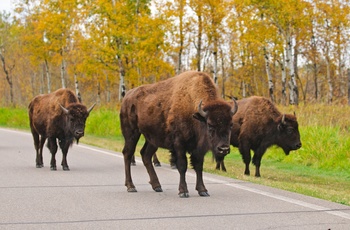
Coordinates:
[79,133]
[224,150]
[298,146]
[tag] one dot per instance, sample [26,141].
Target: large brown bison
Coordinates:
[183,114]
[258,125]
[56,116]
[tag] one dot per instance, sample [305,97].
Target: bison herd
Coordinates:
[184,114]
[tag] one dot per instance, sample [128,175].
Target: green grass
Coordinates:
[14,117]
[321,168]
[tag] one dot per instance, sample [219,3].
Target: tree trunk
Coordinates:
[8,76]
[98,93]
[215,53]
[223,73]
[181,15]
[63,71]
[122,89]
[269,76]
[348,73]
[293,89]
[108,89]
[48,77]
[284,80]
[296,75]
[199,40]
[315,80]
[329,81]
[314,64]
[244,94]
[77,91]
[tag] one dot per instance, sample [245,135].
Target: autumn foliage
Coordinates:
[292,51]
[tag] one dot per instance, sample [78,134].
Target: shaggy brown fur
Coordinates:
[57,115]
[258,125]
[164,113]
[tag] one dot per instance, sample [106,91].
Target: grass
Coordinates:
[321,168]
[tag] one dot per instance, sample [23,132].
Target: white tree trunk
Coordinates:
[348,73]
[290,64]
[269,75]
[284,80]
[48,76]
[63,71]
[77,91]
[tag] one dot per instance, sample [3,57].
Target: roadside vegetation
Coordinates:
[321,168]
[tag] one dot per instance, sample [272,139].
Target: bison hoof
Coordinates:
[40,166]
[203,193]
[53,168]
[158,189]
[132,190]
[184,195]
[65,168]
[157,164]
[133,164]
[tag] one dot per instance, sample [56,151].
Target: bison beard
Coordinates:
[58,117]
[258,125]
[170,115]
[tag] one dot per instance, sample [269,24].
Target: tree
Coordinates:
[7,41]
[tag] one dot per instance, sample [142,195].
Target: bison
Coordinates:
[182,114]
[56,116]
[258,125]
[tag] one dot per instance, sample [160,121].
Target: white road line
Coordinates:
[253,190]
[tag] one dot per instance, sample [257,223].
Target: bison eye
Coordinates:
[290,131]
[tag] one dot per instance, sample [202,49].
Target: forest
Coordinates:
[292,51]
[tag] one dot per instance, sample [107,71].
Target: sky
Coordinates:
[6,5]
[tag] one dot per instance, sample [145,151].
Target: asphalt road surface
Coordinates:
[92,195]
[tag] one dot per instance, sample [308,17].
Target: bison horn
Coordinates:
[284,119]
[89,110]
[200,110]
[64,109]
[234,110]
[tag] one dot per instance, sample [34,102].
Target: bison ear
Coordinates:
[64,109]
[199,117]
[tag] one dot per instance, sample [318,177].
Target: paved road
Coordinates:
[93,196]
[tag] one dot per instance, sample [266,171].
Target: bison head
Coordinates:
[216,117]
[76,118]
[289,136]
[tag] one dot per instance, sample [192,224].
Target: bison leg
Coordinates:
[156,161]
[52,145]
[223,168]
[133,162]
[197,160]
[131,140]
[38,144]
[257,161]
[64,145]
[173,159]
[181,164]
[245,152]
[147,152]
